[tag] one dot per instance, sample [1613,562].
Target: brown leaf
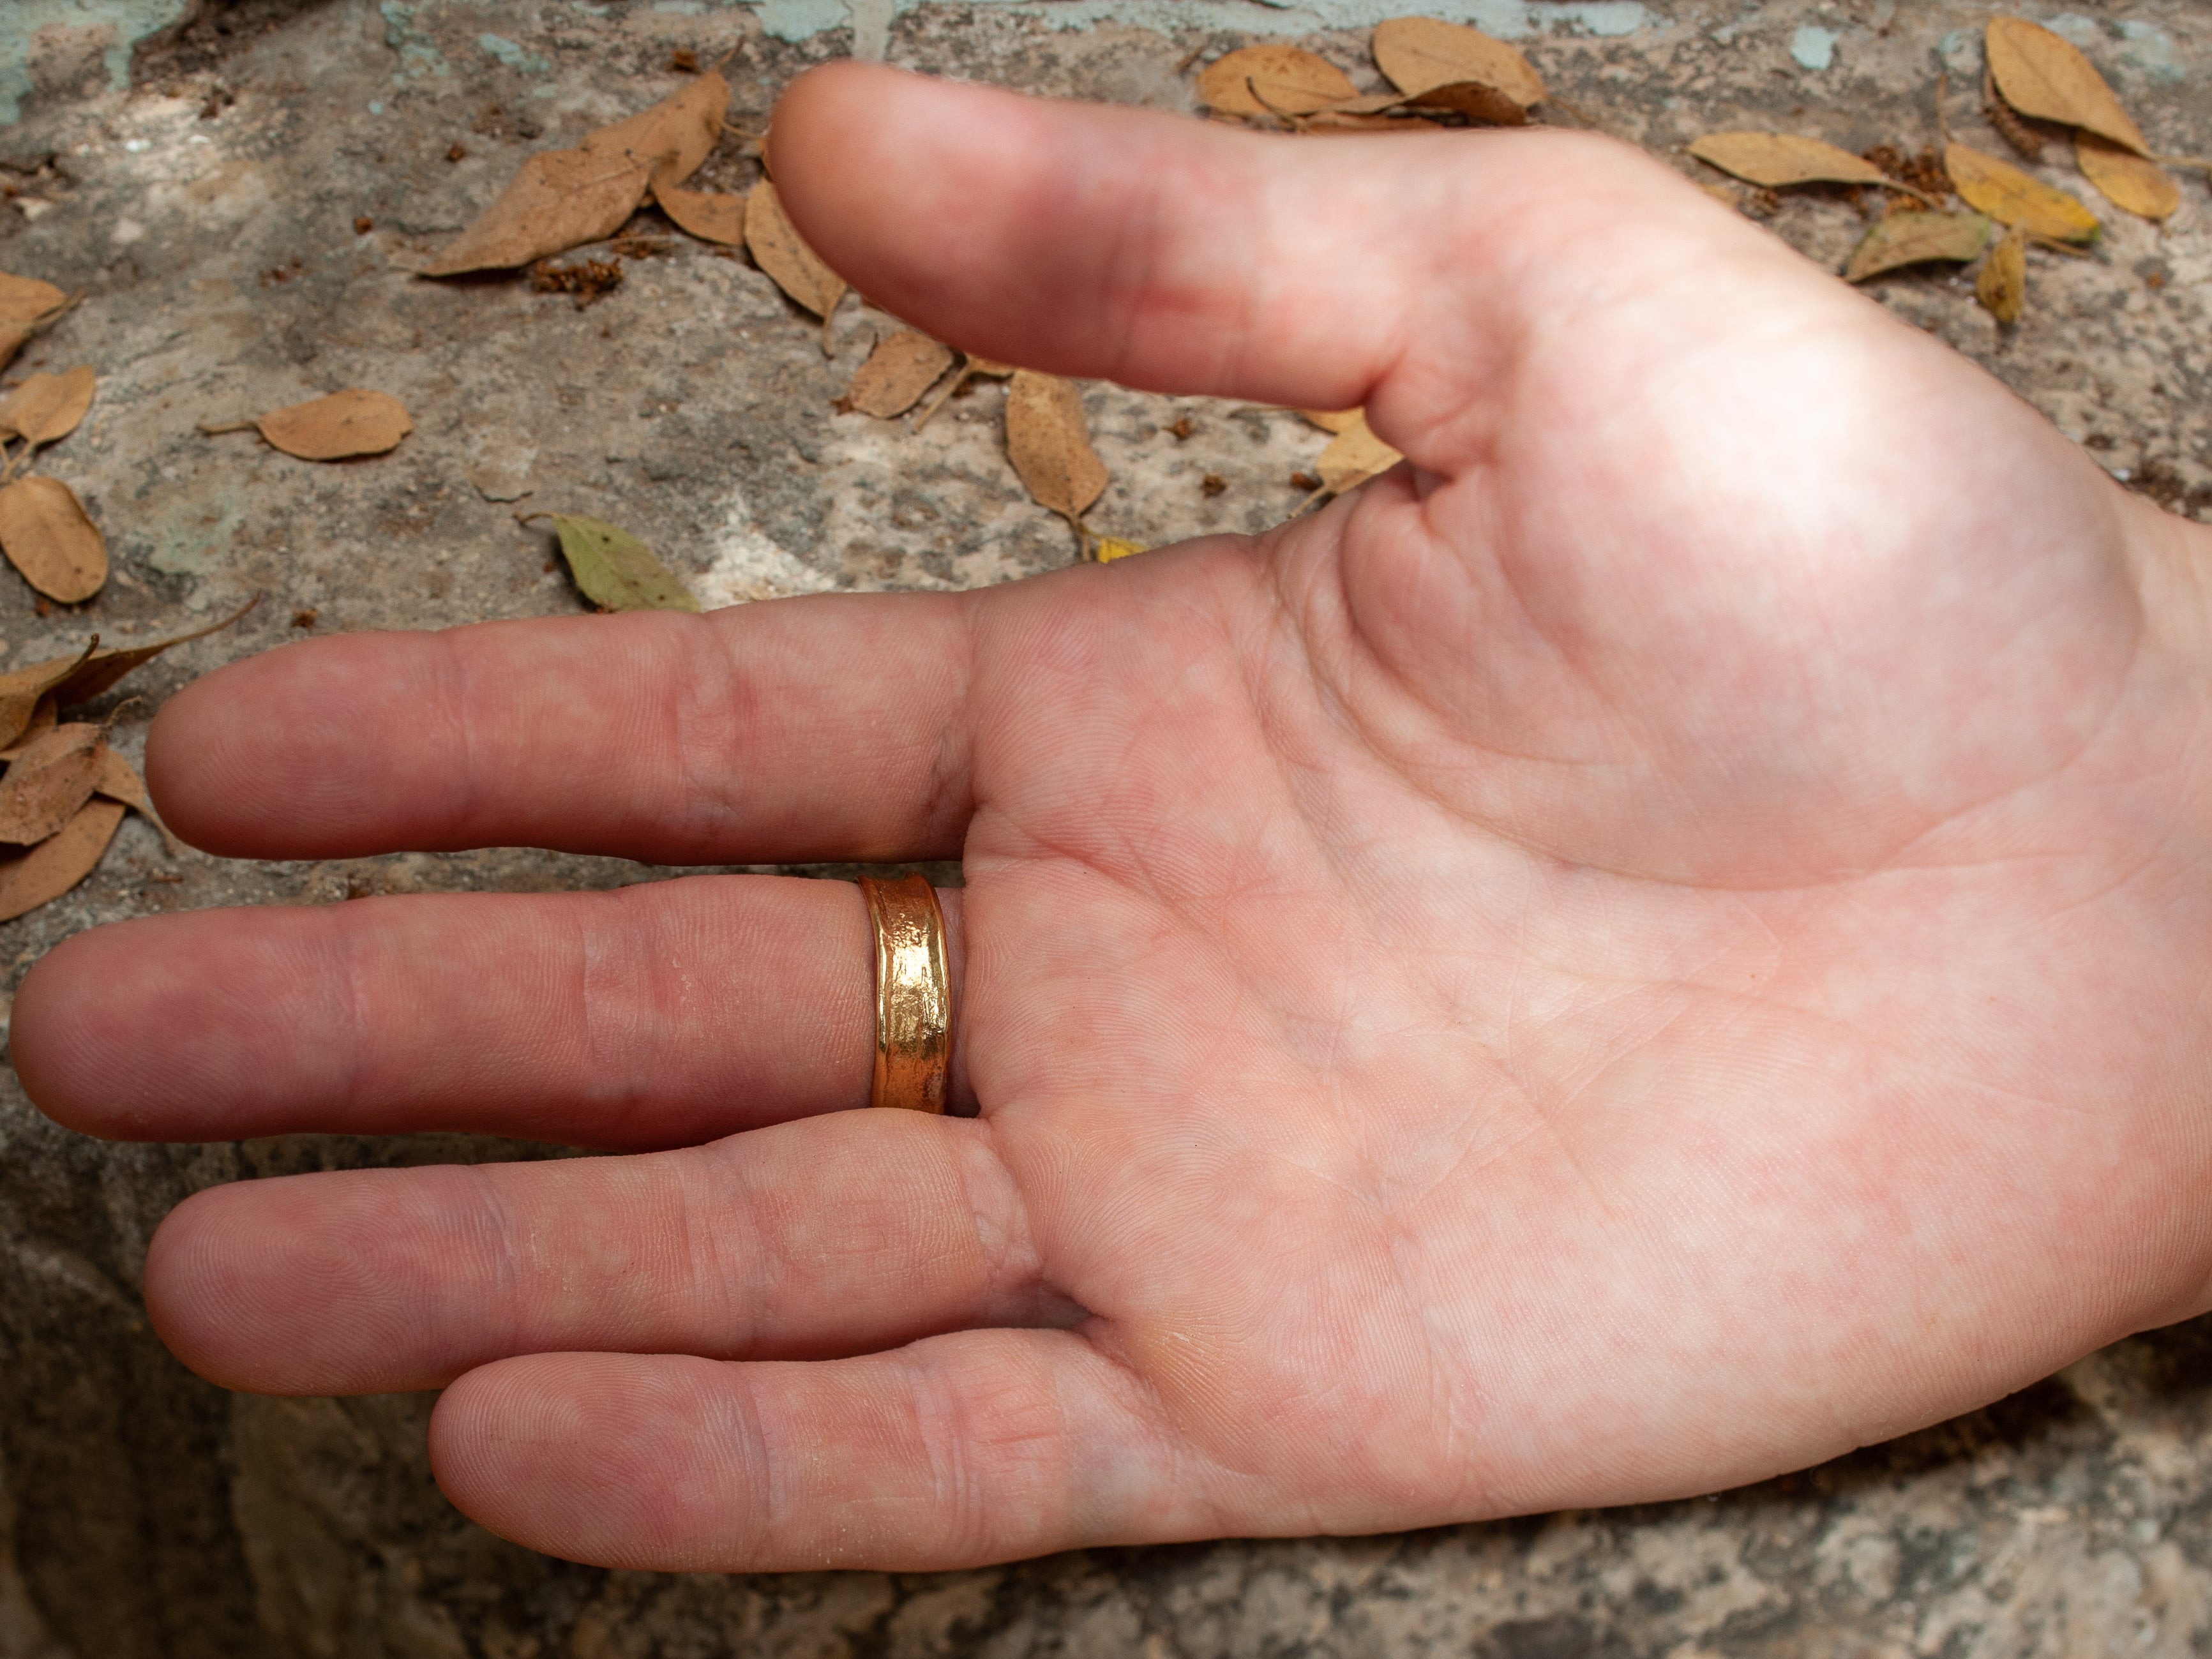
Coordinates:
[1776,159]
[2006,119]
[711,215]
[27,695]
[54,776]
[562,198]
[1354,456]
[46,536]
[1420,53]
[26,300]
[80,678]
[1048,441]
[2002,283]
[2128,181]
[2011,198]
[47,407]
[778,249]
[45,715]
[1912,238]
[1332,420]
[1272,80]
[897,372]
[2041,74]
[59,863]
[118,780]
[345,423]
[1474,99]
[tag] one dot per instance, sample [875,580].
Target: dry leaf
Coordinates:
[971,368]
[2010,196]
[2042,75]
[1272,80]
[1776,159]
[46,536]
[1111,548]
[2001,115]
[562,199]
[711,215]
[45,714]
[897,372]
[345,423]
[118,780]
[1331,420]
[77,679]
[1421,53]
[1911,238]
[28,300]
[27,695]
[778,249]
[1048,441]
[2002,283]
[47,407]
[614,570]
[1473,99]
[1354,456]
[2128,181]
[59,863]
[46,785]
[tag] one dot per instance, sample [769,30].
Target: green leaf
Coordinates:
[617,571]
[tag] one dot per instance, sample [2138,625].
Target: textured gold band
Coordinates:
[914,994]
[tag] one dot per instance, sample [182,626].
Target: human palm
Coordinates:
[1656,944]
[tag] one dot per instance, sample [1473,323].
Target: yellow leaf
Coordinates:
[1272,79]
[1775,158]
[2042,75]
[2001,284]
[334,428]
[1111,548]
[897,372]
[1331,420]
[1354,456]
[778,249]
[1421,53]
[47,407]
[46,536]
[2128,181]
[2011,198]
[1911,238]
[1048,441]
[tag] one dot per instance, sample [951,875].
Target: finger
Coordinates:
[663,1014]
[961,1449]
[1178,255]
[838,1235]
[825,728]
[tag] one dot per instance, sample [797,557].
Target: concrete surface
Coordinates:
[197,172]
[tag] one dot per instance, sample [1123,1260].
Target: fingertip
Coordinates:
[58,1033]
[192,1289]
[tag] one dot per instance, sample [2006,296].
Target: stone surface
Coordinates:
[204,204]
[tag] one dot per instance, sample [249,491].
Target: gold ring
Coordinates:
[914,994]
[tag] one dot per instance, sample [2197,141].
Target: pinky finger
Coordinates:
[955,1451]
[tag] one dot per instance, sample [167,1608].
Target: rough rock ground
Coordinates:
[198,178]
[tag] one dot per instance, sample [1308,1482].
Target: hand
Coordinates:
[1657,943]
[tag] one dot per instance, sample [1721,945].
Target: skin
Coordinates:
[1662,941]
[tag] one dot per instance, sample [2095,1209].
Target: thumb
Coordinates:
[1176,255]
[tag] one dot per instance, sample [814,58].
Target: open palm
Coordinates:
[1659,942]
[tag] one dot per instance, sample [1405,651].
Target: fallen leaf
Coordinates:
[778,249]
[27,695]
[1912,238]
[2010,196]
[45,714]
[2128,181]
[2002,283]
[971,368]
[59,863]
[47,407]
[1475,99]
[1331,420]
[614,570]
[49,781]
[2043,75]
[80,678]
[1272,80]
[1111,548]
[1421,53]
[2006,119]
[711,215]
[118,780]
[897,372]
[1048,441]
[1354,456]
[345,424]
[1776,159]
[562,198]
[28,300]
[46,536]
